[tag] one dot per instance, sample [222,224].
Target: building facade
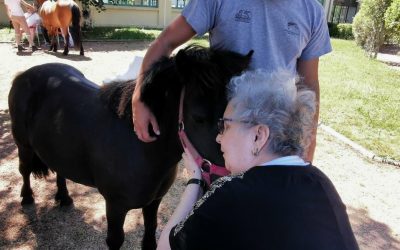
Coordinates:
[141,13]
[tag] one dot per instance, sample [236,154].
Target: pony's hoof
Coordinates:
[66,202]
[82,54]
[65,53]
[27,200]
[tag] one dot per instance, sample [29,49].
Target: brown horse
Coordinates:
[59,15]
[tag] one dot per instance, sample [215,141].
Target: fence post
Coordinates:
[164,13]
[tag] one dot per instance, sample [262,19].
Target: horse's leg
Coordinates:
[81,51]
[54,39]
[150,225]
[64,31]
[62,192]
[51,37]
[25,161]
[29,162]
[115,221]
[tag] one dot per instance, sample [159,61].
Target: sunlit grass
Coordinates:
[360,98]
[123,33]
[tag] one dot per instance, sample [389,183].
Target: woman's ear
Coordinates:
[261,135]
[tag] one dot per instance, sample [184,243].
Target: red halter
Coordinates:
[207,168]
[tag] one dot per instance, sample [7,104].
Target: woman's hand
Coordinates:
[191,166]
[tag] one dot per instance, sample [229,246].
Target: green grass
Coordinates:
[6,34]
[131,33]
[360,98]
[109,33]
[123,33]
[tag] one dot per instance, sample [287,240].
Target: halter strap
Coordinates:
[207,168]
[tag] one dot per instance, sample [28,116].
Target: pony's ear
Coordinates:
[158,82]
[153,88]
[231,63]
[183,62]
[248,57]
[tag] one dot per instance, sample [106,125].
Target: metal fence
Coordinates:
[133,3]
[179,4]
[343,14]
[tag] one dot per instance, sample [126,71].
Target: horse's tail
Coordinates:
[76,26]
[23,100]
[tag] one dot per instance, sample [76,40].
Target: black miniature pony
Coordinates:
[63,122]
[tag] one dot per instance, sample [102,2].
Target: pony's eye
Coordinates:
[199,118]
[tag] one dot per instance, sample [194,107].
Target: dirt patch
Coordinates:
[369,190]
[390,55]
[392,49]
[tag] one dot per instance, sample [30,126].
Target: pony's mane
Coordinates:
[207,71]
[203,71]
[118,96]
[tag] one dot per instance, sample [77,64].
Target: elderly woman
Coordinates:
[273,199]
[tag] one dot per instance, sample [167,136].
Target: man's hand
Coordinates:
[177,33]
[142,117]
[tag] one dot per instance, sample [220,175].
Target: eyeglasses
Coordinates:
[221,123]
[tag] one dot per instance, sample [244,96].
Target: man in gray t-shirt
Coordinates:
[282,33]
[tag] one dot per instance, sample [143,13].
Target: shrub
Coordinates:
[345,31]
[368,28]
[392,21]
[341,30]
[333,30]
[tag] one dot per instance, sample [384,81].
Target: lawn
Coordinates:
[360,97]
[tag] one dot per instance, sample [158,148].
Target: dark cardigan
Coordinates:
[268,207]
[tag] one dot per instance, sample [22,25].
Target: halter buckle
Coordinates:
[181,126]
[205,166]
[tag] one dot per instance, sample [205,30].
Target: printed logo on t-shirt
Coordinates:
[243,16]
[292,28]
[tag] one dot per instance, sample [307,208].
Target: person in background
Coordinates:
[32,20]
[283,34]
[16,15]
[273,199]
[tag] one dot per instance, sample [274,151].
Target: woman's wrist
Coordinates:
[196,181]
[196,173]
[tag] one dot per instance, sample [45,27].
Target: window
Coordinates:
[179,4]
[133,3]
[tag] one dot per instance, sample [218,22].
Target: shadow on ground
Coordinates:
[7,145]
[392,49]
[72,56]
[109,46]
[371,234]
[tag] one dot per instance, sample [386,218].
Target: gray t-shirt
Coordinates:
[279,31]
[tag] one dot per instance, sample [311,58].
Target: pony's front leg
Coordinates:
[51,37]
[150,225]
[66,40]
[115,224]
[53,46]
[62,192]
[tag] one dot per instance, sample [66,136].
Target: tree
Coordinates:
[392,21]
[369,26]
[98,4]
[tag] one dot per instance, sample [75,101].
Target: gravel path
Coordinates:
[370,190]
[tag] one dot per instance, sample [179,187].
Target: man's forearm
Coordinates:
[309,151]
